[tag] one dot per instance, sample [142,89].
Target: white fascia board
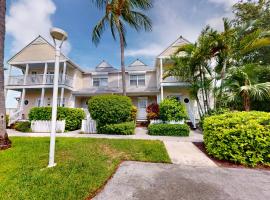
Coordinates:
[183,84]
[137,72]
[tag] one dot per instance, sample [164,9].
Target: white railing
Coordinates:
[37,79]
[89,126]
[45,126]
[14,117]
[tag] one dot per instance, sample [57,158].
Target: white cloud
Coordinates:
[168,25]
[27,19]
[226,3]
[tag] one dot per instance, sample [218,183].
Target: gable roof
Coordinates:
[173,47]
[104,66]
[37,50]
[138,65]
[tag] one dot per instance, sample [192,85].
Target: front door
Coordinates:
[142,105]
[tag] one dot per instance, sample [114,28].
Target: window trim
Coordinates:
[138,78]
[100,77]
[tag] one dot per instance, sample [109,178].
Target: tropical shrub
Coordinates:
[133,114]
[126,128]
[7,120]
[72,116]
[217,111]
[168,129]
[172,110]
[110,109]
[152,111]
[240,137]
[23,126]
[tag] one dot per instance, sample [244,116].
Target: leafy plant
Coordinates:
[110,109]
[126,128]
[133,114]
[172,110]
[169,129]
[72,116]
[152,111]
[240,137]
[23,126]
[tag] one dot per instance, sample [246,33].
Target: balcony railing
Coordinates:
[37,79]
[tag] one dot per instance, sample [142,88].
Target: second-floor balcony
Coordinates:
[38,79]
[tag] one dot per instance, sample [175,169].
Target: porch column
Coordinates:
[63,82]
[62,97]
[161,80]
[161,93]
[9,74]
[44,83]
[26,74]
[22,99]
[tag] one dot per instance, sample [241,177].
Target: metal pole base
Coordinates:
[51,166]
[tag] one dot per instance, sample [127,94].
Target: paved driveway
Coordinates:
[146,181]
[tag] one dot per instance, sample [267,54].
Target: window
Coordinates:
[137,80]
[100,82]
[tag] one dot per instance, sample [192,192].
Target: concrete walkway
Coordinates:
[140,134]
[148,181]
[186,153]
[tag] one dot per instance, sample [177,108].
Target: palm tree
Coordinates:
[238,85]
[4,141]
[118,14]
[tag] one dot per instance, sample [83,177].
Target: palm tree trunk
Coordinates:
[246,102]
[4,140]
[202,88]
[223,74]
[123,70]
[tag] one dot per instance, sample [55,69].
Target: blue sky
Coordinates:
[26,19]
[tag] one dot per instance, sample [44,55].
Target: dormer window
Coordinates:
[137,80]
[100,81]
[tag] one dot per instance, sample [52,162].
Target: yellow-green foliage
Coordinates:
[241,137]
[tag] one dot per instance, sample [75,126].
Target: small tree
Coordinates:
[172,110]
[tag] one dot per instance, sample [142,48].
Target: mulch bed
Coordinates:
[225,163]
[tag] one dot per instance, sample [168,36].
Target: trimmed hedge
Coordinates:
[24,126]
[172,110]
[126,128]
[168,129]
[110,109]
[240,137]
[73,116]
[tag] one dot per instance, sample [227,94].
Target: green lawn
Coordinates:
[83,166]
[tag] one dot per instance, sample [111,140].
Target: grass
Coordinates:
[83,166]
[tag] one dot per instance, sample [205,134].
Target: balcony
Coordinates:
[37,79]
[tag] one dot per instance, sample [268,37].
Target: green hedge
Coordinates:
[241,137]
[73,116]
[110,109]
[172,110]
[24,126]
[168,129]
[126,128]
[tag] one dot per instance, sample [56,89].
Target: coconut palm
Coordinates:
[4,141]
[119,14]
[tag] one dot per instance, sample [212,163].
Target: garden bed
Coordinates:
[225,163]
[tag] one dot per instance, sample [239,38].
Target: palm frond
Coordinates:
[99,29]
[138,20]
[101,4]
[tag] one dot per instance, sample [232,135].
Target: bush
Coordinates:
[213,112]
[72,116]
[126,128]
[172,110]
[7,120]
[110,109]
[152,111]
[241,137]
[24,126]
[168,129]
[133,114]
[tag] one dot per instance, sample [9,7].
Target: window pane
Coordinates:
[141,82]
[96,82]
[133,77]
[141,77]
[133,82]
[103,81]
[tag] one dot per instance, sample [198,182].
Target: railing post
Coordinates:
[45,74]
